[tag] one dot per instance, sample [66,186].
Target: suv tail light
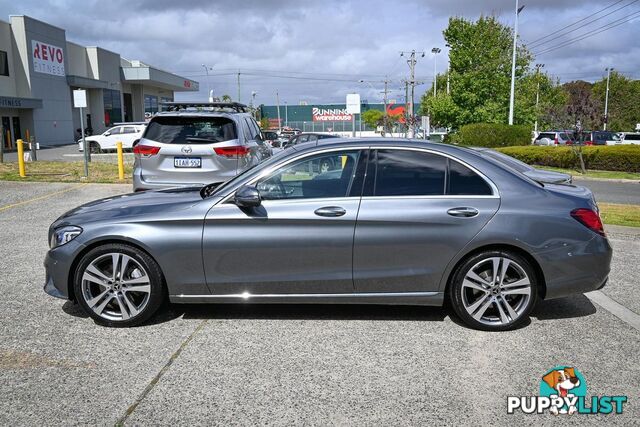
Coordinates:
[555,141]
[588,143]
[232,152]
[146,150]
[589,218]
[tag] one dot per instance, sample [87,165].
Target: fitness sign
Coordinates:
[47,58]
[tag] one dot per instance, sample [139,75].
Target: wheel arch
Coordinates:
[540,279]
[97,243]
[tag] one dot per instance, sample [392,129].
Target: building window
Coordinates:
[112,107]
[4,63]
[164,99]
[150,104]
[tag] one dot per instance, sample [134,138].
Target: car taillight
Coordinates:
[589,218]
[146,150]
[555,141]
[230,152]
[588,143]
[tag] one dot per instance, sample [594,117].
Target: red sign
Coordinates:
[187,83]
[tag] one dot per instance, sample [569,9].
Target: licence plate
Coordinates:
[187,162]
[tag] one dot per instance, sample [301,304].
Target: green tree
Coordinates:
[623,109]
[264,123]
[373,118]
[480,78]
[226,98]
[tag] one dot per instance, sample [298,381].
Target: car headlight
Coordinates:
[64,235]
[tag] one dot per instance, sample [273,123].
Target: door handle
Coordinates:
[465,212]
[331,211]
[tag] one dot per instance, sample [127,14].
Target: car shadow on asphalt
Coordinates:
[563,308]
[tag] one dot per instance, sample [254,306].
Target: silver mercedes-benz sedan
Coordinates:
[392,222]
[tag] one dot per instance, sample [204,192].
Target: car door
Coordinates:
[418,210]
[128,136]
[299,241]
[110,137]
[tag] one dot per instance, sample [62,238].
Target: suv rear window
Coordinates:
[547,135]
[632,137]
[193,130]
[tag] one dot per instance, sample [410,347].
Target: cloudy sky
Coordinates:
[319,51]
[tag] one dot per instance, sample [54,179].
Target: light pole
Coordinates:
[513,64]
[538,66]
[286,114]
[606,99]
[209,91]
[435,51]
[253,102]
[448,65]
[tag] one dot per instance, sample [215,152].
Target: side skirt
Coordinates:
[396,298]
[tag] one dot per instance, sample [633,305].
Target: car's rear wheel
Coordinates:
[119,285]
[494,290]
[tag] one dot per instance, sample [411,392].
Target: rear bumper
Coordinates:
[140,184]
[576,268]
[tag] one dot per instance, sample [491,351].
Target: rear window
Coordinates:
[632,137]
[547,135]
[602,136]
[192,130]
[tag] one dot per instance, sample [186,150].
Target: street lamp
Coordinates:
[538,66]
[606,99]
[448,65]
[209,91]
[435,51]
[513,64]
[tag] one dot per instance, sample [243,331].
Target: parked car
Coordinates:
[539,175]
[192,147]
[630,138]
[599,137]
[307,137]
[127,133]
[403,222]
[271,138]
[553,138]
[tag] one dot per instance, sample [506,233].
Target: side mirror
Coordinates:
[247,197]
[107,133]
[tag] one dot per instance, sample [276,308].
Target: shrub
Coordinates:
[493,135]
[625,158]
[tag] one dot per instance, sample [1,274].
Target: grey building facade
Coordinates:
[40,68]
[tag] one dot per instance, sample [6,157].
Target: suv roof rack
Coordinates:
[219,106]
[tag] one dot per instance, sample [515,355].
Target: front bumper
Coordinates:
[58,265]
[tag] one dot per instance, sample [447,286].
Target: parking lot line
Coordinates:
[35,199]
[159,375]
[615,308]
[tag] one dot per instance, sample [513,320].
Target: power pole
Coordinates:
[513,64]
[238,85]
[535,128]
[412,81]
[606,99]
[385,120]
[278,107]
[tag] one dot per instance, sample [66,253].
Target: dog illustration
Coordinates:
[562,380]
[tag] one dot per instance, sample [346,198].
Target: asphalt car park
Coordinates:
[287,364]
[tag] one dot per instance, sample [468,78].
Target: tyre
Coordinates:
[119,285]
[94,148]
[494,290]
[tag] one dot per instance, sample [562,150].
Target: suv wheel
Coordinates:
[94,148]
[494,291]
[119,285]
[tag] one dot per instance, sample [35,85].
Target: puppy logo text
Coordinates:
[563,391]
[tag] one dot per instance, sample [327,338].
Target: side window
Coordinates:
[409,173]
[246,131]
[320,176]
[129,129]
[256,129]
[115,131]
[465,182]
[312,138]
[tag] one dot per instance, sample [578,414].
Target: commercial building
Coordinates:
[331,118]
[39,69]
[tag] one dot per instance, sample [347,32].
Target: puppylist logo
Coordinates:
[563,390]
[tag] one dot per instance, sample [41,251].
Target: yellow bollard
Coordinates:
[23,174]
[120,161]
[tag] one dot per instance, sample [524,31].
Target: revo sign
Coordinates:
[47,58]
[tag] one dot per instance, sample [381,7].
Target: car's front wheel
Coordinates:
[494,290]
[119,285]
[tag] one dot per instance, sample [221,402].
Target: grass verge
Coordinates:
[52,171]
[595,173]
[617,214]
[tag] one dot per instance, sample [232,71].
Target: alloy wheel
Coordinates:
[496,291]
[116,286]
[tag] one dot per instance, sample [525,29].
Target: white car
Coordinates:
[631,138]
[127,133]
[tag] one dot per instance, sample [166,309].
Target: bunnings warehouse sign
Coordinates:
[330,115]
